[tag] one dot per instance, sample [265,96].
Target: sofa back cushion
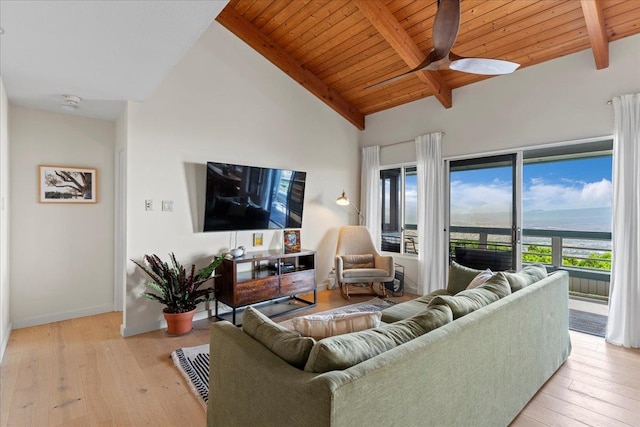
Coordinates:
[460,277]
[286,344]
[468,300]
[527,276]
[344,351]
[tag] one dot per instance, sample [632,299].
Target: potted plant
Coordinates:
[178,290]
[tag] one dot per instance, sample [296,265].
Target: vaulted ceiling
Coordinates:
[337,49]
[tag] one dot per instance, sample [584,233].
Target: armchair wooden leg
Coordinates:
[344,290]
[383,288]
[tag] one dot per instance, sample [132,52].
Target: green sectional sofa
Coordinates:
[481,368]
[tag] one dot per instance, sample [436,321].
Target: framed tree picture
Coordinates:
[291,241]
[63,184]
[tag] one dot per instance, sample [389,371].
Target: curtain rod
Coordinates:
[403,142]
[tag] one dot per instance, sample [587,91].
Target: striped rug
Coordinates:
[193,363]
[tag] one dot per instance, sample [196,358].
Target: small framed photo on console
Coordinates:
[257,239]
[291,241]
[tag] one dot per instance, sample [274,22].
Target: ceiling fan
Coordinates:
[446,25]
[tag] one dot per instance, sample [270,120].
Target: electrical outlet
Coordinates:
[167,206]
[148,205]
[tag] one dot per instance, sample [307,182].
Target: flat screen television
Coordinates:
[252,198]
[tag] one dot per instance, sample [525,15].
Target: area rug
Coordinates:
[193,362]
[587,323]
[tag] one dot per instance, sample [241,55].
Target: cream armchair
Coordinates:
[358,261]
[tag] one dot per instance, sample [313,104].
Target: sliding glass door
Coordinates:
[484,229]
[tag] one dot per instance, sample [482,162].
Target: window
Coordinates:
[398,195]
[567,215]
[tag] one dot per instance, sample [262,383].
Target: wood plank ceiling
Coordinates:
[336,49]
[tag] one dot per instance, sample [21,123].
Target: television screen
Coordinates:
[252,198]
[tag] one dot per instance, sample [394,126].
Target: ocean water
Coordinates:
[590,219]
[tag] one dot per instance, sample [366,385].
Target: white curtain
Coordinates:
[369,192]
[431,207]
[623,326]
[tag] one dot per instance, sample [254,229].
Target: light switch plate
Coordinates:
[167,206]
[148,205]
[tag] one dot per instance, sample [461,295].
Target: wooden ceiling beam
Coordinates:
[592,10]
[242,28]
[390,29]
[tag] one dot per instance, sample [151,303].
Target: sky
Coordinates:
[561,185]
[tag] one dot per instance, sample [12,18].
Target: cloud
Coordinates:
[538,195]
[480,198]
[576,195]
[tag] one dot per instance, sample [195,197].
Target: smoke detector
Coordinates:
[70,102]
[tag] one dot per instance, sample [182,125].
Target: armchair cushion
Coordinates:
[357,261]
[364,273]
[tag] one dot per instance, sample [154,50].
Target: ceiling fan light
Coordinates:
[485,66]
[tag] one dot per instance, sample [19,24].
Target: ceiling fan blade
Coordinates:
[423,64]
[446,25]
[484,66]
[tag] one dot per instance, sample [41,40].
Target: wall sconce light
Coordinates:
[343,200]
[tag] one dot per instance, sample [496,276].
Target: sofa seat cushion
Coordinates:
[407,309]
[525,277]
[469,300]
[343,351]
[402,311]
[364,272]
[319,326]
[286,344]
[426,299]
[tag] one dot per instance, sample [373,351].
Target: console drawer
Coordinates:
[255,291]
[297,282]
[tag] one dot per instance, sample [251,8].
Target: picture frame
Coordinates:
[66,184]
[258,239]
[291,241]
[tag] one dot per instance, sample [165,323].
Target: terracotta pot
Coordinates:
[179,323]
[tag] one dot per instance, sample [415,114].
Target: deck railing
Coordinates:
[585,255]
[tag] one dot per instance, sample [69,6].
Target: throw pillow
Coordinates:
[320,326]
[460,277]
[480,278]
[344,351]
[286,344]
[527,276]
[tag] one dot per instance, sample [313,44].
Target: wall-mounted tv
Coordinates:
[252,198]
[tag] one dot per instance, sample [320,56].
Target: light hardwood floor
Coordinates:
[81,372]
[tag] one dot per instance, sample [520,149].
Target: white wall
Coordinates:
[5,320]
[224,102]
[61,254]
[562,100]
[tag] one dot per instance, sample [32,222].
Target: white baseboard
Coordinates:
[57,317]
[5,341]
[411,290]
[162,324]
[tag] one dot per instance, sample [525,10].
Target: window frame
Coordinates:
[401,211]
